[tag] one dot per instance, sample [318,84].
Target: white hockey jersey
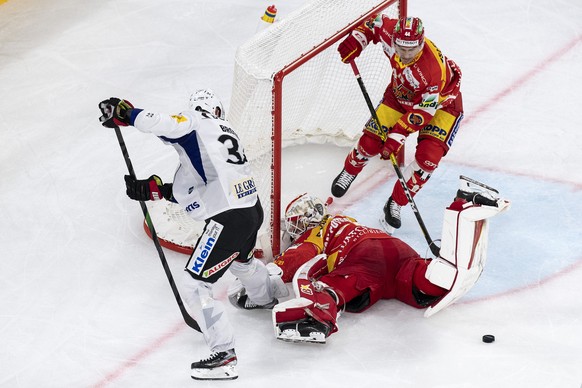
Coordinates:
[214,175]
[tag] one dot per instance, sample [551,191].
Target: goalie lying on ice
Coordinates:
[336,264]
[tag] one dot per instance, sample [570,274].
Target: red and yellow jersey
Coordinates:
[430,82]
[335,236]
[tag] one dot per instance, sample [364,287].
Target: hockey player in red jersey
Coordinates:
[423,96]
[336,264]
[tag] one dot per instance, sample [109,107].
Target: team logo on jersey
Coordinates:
[204,248]
[179,118]
[402,93]
[245,188]
[306,289]
[223,264]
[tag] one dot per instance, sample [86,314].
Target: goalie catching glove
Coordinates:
[151,189]
[115,112]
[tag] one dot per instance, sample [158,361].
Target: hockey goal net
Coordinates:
[290,87]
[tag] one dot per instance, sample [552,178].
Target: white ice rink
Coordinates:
[84,300]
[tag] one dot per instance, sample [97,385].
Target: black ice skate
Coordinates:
[392,213]
[244,302]
[305,330]
[342,183]
[219,366]
[479,193]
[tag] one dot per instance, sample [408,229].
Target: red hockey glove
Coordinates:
[115,112]
[351,47]
[151,189]
[392,145]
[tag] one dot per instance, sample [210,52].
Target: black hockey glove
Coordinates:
[151,189]
[115,112]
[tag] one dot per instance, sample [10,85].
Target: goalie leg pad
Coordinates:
[440,273]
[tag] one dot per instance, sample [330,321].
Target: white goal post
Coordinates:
[290,87]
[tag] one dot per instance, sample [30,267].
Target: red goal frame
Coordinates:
[277,113]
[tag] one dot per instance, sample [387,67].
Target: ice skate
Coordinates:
[474,191]
[342,183]
[305,330]
[219,366]
[243,302]
[392,213]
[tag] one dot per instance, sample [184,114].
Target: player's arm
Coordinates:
[369,31]
[294,257]
[117,112]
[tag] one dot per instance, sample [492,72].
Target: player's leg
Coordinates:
[226,237]
[434,141]
[257,286]
[369,145]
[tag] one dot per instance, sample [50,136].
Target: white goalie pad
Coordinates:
[464,247]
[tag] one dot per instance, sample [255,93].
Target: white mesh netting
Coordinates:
[321,100]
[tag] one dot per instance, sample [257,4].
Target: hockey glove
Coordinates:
[352,46]
[151,189]
[115,112]
[392,145]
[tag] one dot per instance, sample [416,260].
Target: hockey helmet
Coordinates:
[205,99]
[408,32]
[302,213]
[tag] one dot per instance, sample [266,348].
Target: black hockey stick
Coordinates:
[431,244]
[187,317]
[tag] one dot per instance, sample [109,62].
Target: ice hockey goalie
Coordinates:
[336,264]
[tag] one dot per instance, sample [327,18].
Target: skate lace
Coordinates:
[213,357]
[345,179]
[394,209]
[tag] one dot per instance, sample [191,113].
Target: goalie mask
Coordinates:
[204,99]
[302,213]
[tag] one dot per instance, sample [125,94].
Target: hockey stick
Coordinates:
[431,244]
[187,318]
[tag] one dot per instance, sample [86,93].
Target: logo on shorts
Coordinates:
[415,119]
[223,264]
[204,247]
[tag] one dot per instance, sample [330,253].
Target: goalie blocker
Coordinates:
[312,315]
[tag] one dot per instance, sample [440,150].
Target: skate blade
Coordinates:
[221,373]
[295,337]
[387,228]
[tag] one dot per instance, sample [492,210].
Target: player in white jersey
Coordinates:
[213,183]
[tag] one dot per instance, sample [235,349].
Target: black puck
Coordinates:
[488,338]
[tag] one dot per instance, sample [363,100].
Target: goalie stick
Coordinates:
[187,318]
[431,243]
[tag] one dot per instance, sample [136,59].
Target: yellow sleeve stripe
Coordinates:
[440,59]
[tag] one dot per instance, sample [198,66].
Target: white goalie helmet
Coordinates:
[205,99]
[302,213]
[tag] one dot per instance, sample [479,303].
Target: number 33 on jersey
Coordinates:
[214,174]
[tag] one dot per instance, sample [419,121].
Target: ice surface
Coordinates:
[84,298]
